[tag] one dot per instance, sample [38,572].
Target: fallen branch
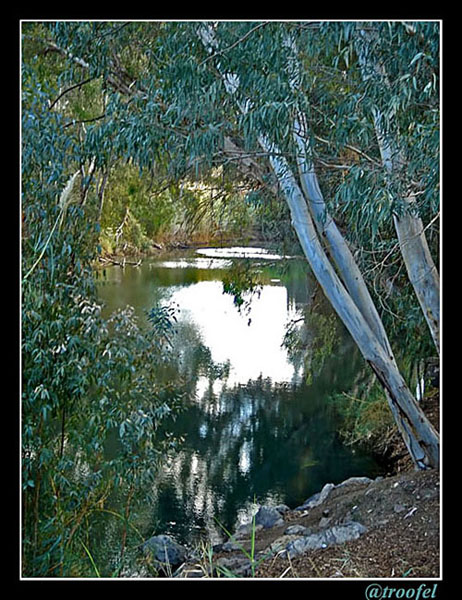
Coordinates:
[120,263]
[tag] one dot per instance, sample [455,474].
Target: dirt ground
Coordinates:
[401,513]
[402,516]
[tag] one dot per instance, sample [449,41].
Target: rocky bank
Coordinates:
[359,528]
[387,527]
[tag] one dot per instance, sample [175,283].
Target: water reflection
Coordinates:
[240,252]
[253,427]
[251,342]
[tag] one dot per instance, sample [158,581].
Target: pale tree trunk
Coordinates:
[339,249]
[326,226]
[349,272]
[420,437]
[420,267]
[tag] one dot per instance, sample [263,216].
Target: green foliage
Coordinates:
[241,282]
[312,342]
[84,379]
[140,209]
[144,104]
[366,417]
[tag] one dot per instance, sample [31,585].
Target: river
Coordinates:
[255,429]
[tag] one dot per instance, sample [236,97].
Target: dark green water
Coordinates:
[255,429]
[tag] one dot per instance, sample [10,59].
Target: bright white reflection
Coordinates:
[250,342]
[203,430]
[196,263]
[244,458]
[239,252]
[203,385]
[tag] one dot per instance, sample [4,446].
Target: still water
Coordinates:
[254,429]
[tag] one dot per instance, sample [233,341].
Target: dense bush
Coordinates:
[85,380]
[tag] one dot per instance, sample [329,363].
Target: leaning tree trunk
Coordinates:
[419,435]
[420,267]
[349,272]
[338,247]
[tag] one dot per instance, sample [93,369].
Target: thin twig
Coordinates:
[72,87]
[353,149]
[75,122]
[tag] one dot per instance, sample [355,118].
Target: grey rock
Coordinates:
[310,502]
[230,547]
[240,567]
[326,490]
[355,481]
[324,522]
[281,543]
[267,516]
[244,532]
[318,498]
[165,550]
[282,508]
[347,532]
[338,534]
[297,530]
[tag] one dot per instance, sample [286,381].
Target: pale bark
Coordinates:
[338,246]
[340,251]
[420,437]
[351,276]
[326,226]
[420,267]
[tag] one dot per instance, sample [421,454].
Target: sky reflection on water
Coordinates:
[251,342]
[254,428]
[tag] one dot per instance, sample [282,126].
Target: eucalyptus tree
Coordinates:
[86,380]
[351,299]
[194,96]
[420,266]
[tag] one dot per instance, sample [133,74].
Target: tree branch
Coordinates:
[75,122]
[72,87]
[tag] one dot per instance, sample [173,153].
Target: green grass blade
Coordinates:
[91,560]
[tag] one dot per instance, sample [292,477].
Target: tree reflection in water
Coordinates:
[253,427]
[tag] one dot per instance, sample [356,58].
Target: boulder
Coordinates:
[281,543]
[324,522]
[355,481]
[282,508]
[297,530]
[317,498]
[165,551]
[338,534]
[244,532]
[268,516]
